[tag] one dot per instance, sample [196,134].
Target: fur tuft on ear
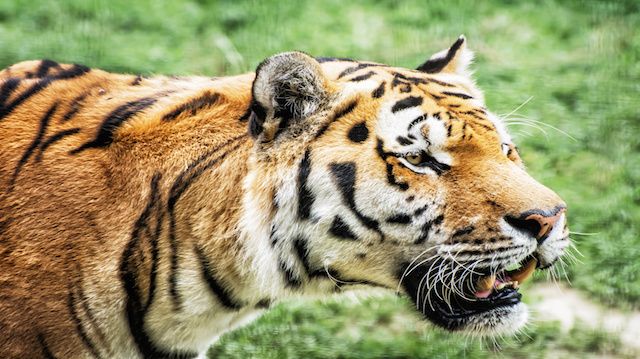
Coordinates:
[455,59]
[288,88]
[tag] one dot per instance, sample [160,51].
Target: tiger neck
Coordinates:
[277,267]
[229,215]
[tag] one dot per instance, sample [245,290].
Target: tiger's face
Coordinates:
[402,179]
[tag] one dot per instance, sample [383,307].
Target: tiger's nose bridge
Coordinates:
[537,223]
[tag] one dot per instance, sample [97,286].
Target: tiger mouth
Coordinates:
[483,295]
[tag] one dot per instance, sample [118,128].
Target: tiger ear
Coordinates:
[455,59]
[287,90]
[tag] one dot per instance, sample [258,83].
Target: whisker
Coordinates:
[407,272]
[584,234]
[519,107]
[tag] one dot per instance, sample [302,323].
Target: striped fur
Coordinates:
[139,217]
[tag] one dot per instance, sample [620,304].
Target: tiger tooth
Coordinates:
[486,283]
[501,286]
[525,272]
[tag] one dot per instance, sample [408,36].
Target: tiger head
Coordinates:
[367,173]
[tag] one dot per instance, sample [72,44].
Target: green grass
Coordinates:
[578,61]
[387,327]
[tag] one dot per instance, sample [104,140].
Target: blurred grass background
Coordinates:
[576,64]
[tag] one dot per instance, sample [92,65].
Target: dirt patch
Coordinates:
[569,306]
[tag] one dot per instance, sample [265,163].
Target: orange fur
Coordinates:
[70,206]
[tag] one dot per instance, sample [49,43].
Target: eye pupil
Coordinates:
[414,159]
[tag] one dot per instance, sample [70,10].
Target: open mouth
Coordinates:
[455,301]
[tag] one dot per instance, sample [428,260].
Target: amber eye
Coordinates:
[414,158]
[418,161]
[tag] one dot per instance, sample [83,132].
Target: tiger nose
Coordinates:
[538,224]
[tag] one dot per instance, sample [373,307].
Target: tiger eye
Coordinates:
[414,159]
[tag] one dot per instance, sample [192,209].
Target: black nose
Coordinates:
[536,223]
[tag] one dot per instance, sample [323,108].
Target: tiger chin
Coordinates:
[146,216]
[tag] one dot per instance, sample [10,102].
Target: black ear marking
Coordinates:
[438,63]
[256,119]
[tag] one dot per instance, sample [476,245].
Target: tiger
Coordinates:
[145,216]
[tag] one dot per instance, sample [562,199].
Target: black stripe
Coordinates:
[345,177]
[437,64]
[293,281]
[44,122]
[224,295]
[46,352]
[34,89]
[398,81]
[84,303]
[379,92]
[76,105]
[441,83]
[300,246]
[75,71]
[136,81]
[345,110]
[457,94]
[245,116]
[399,218]
[489,127]
[426,227]
[339,113]
[362,77]
[486,253]
[411,101]
[404,141]
[71,304]
[305,197]
[180,185]
[104,136]
[341,230]
[351,70]
[391,178]
[463,231]
[53,139]
[142,230]
[8,86]
[417,120]
[333,59]
[207,99]
[136,308]
[421,210]
[45,65]
[401,79]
